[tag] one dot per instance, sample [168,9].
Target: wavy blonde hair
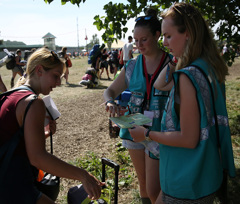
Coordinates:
[201,41]
[43,56]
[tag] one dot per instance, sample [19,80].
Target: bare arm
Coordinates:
[188,137]
[3,88]
[35,146]
[115,89]
[164,82]
[130,54]
[121,58]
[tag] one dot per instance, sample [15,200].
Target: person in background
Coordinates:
[43,74]
[127,50]
[104,63]
[195,139]
[120,57]
[225,49]
[63,54]
[18,68]
[114,62]
[27,53]
[138,76]
[96,57]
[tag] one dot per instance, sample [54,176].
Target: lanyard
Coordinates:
[149,84]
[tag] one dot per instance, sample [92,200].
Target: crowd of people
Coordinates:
[182,92]
[112,60]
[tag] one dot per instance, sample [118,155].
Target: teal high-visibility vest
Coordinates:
[195,173]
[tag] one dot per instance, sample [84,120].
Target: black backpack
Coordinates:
[114,56]
[12,63]
[7,150]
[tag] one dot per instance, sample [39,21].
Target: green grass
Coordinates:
[92,163]
[233,104]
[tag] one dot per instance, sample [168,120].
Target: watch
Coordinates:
[146,133]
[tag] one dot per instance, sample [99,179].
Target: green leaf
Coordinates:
[125,29]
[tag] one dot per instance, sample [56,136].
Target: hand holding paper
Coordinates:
[52,110]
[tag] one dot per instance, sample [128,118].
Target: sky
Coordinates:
[29,20]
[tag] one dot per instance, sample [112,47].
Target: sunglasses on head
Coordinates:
[55,55]
[146,18]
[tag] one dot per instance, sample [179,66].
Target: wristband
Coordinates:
[146,134]
[110,101]
[174,61]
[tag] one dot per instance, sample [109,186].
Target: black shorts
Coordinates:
[104,64]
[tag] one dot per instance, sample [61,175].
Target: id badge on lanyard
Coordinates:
[150,115]
[149,83]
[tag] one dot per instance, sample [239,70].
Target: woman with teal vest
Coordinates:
[195,139]
[138,76]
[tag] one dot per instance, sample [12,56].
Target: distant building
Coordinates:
[49,41]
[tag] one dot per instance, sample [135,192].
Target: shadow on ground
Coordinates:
[234,189]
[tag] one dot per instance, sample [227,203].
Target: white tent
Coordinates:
[117,45]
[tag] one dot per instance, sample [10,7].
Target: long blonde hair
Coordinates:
[201,41]
[43,56]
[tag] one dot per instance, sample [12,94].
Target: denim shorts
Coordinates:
[129,144]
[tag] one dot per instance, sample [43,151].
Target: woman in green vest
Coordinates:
[138,76]
[195,140]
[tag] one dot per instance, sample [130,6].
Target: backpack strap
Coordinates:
[23,87]
[7,93]
[7,150]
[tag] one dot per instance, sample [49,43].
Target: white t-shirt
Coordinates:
[225,49]
[126,48]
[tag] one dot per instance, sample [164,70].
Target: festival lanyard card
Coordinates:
[150,115]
